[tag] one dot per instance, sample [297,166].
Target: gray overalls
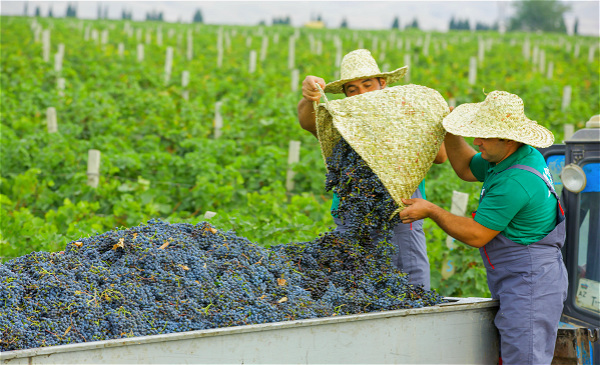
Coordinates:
[531,283]
[412,249]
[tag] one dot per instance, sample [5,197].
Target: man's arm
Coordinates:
[460,154]
[441,156]
[306,109]
[462,228]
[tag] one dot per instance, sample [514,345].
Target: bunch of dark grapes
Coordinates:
[162,278]
[365,204]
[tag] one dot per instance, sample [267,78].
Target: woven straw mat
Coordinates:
[397,131]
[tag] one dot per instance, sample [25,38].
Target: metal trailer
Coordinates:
[459,332]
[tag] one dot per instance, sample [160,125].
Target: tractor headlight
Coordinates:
[573,178]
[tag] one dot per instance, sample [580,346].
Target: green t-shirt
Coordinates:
[516,202]
[336,199]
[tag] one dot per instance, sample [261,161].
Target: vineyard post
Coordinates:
[526,47]
[407,63]
[534,61]
[227,39]
[218,122]
[140,52]
[263,48]
[291,52]
[293,158]
[128,29]
[472,70]
[121,50]
[86,33]
[550,70]
[185,79]
[93,168]
[338,51]
[295,79]
[568,130]
[591,53]
[426,45]
[148,36]
[480,50]
[576,50]
[60,85]
[252,63]
[168,64]
[159,36]
[248,41]
[319,47]
[542,65]
[190,45]
[138,35]
[51,120]
[36,28]
[46,45]
[459,207]
[58,62]
[374,44]
[94,35]
[104,38]
[566,100]
[220,48]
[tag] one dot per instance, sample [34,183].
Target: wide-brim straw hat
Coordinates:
[397,131]
[360,64]
[500,115]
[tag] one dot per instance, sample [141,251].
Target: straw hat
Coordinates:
[397,131]
[359,64]
[500,115]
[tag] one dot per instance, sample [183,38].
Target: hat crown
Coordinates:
[500,115]
[358,63]
[504,107]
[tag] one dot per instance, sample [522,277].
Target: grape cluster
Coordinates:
[160,278]
[365,204]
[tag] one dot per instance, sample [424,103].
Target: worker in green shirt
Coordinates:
[519,225]
[360,74]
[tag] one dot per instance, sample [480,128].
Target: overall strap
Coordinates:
[537,173]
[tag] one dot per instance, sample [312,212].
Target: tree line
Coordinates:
[530,16]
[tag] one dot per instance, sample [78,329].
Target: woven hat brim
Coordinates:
[465,121]
[336,87]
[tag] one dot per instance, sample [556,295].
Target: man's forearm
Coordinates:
[460,154]
[306,116]
[463,229]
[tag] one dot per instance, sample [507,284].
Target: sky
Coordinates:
[431,15]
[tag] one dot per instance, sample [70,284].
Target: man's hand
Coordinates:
[309,89]
[415,210]
[306,109]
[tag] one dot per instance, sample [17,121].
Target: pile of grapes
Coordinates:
[160,278]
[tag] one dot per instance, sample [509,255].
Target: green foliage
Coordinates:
[159,155]
[198,17]
[539,15]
